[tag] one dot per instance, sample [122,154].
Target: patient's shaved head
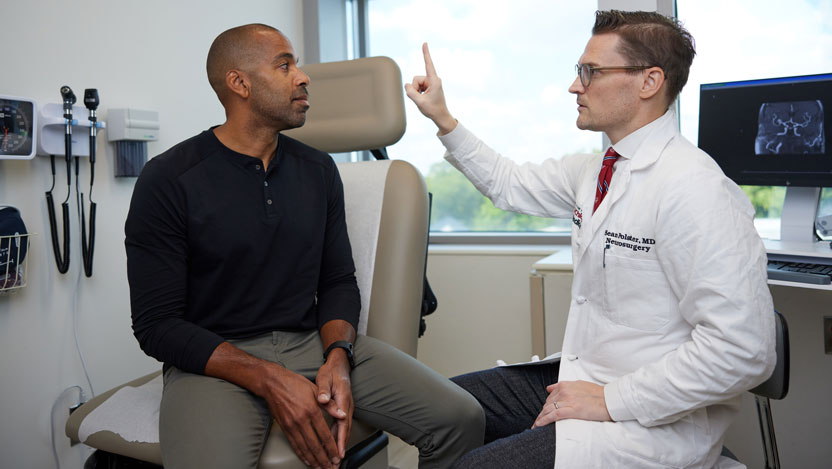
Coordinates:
[236,48]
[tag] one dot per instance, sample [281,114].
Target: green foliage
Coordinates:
[458,206]
[825,201]
[767,200]
[454,198]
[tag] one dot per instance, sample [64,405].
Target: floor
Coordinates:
[401,455]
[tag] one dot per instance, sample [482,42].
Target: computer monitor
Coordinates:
[770,132]
[773,132]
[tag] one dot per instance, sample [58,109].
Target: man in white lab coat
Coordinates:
[670,317]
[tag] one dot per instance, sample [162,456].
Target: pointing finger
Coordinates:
[429,68]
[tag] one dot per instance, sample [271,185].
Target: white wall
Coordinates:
[143,54]
[484,312]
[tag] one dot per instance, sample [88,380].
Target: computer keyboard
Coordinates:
[816,274]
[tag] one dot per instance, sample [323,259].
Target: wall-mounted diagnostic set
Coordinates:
[52,128]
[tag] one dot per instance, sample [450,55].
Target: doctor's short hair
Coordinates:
[651,39]
[233,49]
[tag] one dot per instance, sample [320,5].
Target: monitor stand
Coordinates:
[797,223]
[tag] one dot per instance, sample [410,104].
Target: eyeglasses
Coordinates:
[585,71]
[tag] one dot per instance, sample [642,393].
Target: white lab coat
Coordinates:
[670,310]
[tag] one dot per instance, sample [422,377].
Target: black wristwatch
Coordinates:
[347,346]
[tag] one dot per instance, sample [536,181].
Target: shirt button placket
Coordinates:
[267,195]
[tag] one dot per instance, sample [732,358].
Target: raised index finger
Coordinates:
[429,69]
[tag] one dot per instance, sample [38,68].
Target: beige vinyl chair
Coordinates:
[356,105]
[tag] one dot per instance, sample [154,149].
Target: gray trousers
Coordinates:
[210,423]
[511,398]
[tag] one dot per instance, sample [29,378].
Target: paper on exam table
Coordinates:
[131,412]
[364,236]
[555,357]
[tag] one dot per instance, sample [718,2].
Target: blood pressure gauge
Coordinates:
[17,128]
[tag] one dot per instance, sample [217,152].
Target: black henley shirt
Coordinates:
[218,248]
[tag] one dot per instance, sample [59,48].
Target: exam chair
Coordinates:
[356,105]
[775,387]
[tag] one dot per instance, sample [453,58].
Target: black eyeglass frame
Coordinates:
[579,68]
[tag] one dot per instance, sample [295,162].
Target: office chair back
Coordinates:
[776,387]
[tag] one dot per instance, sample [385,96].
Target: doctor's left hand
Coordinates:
[573,400]
[335,396]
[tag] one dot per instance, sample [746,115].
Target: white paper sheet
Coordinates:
[131,412]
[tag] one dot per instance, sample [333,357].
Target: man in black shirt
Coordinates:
[242,279]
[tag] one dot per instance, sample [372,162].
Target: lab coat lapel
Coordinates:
[583,236]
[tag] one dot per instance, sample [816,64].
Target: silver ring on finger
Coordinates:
[556,405]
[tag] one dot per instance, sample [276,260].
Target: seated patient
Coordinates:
[242,282]
[671,317]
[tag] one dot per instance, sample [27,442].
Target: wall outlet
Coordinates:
[827,334]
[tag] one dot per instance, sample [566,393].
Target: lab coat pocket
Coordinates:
[674,445]
[637,294]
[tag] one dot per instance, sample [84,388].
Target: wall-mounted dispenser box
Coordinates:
[133,124]
[52,129]
[131,129]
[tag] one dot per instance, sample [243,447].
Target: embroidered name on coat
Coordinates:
[627,241]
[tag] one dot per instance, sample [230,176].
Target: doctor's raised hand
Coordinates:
[426,92]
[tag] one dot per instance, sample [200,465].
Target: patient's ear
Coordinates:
[238,83]
[653,82]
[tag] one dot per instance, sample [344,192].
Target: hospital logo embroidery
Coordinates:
[577,217]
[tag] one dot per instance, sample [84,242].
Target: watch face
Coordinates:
[16,127]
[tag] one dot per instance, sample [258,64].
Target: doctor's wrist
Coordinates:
[446,124]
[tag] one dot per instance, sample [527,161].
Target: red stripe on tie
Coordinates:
[604,177]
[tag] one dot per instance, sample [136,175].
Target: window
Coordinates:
[748,39]
[505,68]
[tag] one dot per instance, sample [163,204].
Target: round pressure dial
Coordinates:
[15,127]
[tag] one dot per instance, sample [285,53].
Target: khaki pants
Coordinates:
[207,422]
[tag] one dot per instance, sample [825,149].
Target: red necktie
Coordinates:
[604,177]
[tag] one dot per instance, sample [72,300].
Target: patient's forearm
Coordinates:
[238,367]
[336,330]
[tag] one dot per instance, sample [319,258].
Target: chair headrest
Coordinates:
[355,105]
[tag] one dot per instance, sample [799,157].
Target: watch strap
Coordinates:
[347,346]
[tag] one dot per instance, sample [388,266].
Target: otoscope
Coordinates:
[87,246]
[69,99]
